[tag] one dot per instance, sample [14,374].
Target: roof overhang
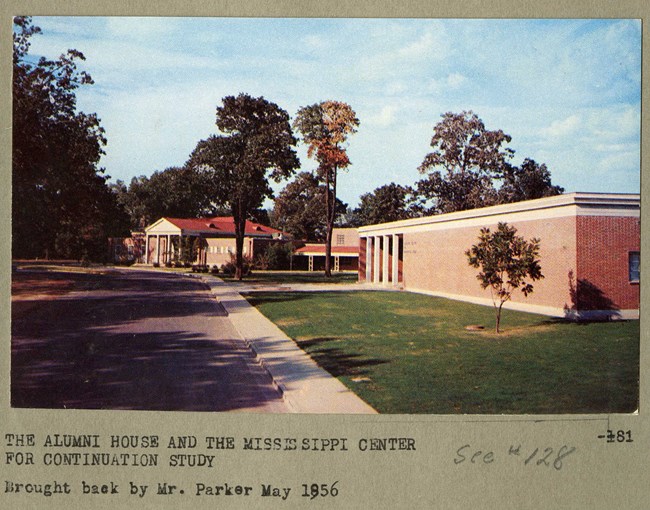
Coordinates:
[570,204]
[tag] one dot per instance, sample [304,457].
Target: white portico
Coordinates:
[212,239]
[380,259]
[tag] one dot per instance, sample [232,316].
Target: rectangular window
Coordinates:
[340,239]
[635,266]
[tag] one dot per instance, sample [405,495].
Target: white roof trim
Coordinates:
[163,226]
[570,204]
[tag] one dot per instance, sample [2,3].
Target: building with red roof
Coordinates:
[216,239]
[345,252]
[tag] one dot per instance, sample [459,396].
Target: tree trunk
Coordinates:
[239,217]
[499,316]
[330,201]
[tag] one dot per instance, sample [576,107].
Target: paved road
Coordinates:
[134,340]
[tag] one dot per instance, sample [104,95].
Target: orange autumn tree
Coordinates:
[325,128]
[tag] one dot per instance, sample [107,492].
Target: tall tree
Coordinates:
[390,202]
[61,204]
[466,158]
[325,128]
[530,180]
[507,261]
[299,208]
[256,145]
[180,192]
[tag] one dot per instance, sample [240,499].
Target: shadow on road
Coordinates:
[133,340]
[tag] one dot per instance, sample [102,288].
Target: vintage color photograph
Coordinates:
[268,215]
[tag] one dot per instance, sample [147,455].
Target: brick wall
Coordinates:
[602,277]
[435,261]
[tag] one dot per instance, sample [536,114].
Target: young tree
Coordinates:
[325,128]
[465,160]
[300,208]
[390,202]
[507,261]
[256,145]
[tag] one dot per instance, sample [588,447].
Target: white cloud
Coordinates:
[139,28]
[451,82]
[384,118]
[564,127]
[422,47]
[315,42]
[568,91]
[455,80]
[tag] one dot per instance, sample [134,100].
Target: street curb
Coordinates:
[305,386]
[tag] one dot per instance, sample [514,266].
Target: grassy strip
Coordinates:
[407,353]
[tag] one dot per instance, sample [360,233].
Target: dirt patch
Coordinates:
[48,282]
[39,285]
[513,332]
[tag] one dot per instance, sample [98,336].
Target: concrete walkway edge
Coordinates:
[306,387]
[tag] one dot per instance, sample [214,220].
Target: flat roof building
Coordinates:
[590,254]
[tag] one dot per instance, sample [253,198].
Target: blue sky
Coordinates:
[567,91]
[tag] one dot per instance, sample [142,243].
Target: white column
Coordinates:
[395,260]
[368,259]
[158,248]
[385,274]
[146,248]
[375,268]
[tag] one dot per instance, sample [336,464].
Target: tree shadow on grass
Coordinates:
[261,297]
[337,361]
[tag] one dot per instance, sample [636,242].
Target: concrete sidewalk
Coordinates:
[305,386]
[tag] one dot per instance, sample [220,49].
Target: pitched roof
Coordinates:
[224,225]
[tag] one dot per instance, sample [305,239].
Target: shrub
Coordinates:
[215,269]
[275,256]
[229,268]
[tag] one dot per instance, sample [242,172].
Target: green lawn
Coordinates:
[289,277]
[408,353]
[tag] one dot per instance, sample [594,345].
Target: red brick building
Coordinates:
[127,250]
[590,254]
